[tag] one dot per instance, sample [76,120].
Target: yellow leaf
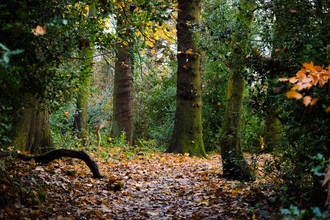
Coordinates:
[149,43]
[293,94]
[189,51]
[143,52]
[295,88]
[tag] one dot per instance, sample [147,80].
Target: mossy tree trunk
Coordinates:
[187,136]
[123,83]
[233,161]
[87,53]
[32,128]
[272,130]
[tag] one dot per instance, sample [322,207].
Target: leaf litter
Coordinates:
[147,186]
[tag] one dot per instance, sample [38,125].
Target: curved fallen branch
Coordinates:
[56,154]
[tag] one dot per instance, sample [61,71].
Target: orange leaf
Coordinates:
[327,109]
[283,79]
[309,66]
[293,94]
[307,100]
[293,80]
[318,68]
[301,73]
[39,30]
[295,88]
[313,102]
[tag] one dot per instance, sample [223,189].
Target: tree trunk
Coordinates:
[187,134]
[87,52]
[233,161]
[272,129]
[123,86]
[32,128]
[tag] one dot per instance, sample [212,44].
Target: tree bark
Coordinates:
[187,136]
[87,52]
[233,161]
[123,84]
[31,127]
[272,130]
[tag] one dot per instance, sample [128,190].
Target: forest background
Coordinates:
[97,75]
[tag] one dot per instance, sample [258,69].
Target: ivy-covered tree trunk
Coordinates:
[31,131]
[187,136]
[80,119]
[233,161]
[87,53]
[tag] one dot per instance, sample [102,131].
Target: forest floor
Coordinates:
[147,186]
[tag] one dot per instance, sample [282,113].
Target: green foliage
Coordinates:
[314,213]
[215,71]
[61,124]
[252,131]
[155,106]
[213,103]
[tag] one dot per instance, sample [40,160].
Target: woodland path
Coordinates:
[148,186]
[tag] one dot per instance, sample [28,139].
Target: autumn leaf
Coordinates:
[39,30]
[301,73]
[283,79]
[327,109]
[189,51]
[314,100]
[307,100]
[293,79]
[293,94]
[309,66]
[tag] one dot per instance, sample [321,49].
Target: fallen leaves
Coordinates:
[147,186]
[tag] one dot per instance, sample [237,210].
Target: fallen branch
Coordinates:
[56,154]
